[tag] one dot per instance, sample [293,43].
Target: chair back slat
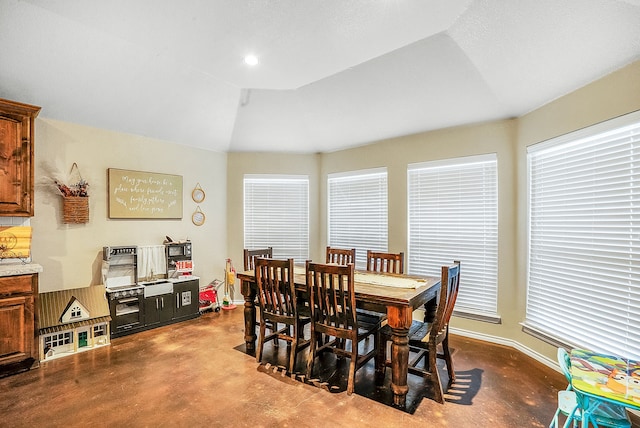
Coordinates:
[449,285]
[341,256]
[565,362]
[385,262]
[251,255]
[331,295]
[276,289]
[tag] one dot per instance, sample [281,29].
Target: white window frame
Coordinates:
[468,188]
[279,218]
[357,212]
[583,264]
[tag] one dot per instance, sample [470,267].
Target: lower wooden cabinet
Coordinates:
[18,324]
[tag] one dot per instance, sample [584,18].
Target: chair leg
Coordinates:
[263,329]
[554,421]
[380,359]
[447,358]
[293,349]
[274,328]
[352,368]
[312,352]
[438,394]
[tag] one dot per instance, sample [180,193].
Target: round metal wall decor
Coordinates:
[198,194]
[198,218]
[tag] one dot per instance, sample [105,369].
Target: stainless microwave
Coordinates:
[179,250]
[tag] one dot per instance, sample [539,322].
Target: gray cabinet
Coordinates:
[158,309]
[186,299]
[177,301]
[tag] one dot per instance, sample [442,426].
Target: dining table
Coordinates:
[603,377]
[396,295]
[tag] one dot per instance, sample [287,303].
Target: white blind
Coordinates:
[453,215]
[357,214]
[276,214]
[584,245]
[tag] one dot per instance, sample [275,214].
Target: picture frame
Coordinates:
[198,194]
[198,218]
[143,195]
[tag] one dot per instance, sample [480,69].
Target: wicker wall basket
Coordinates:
[75,209]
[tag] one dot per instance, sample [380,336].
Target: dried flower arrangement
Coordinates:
[77,189]
[75,198]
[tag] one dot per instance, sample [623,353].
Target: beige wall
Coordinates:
[611,96]
[239,164]
[614,95]
[71,253]
[397,154]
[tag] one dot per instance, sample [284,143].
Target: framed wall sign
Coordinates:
[140,194]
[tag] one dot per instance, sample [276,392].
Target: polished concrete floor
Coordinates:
[196,373]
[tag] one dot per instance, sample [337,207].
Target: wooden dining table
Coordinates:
[396,295]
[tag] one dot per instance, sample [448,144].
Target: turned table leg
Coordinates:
[399,319]
[249,293]
[430,309]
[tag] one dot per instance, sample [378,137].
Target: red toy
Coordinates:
[208,297]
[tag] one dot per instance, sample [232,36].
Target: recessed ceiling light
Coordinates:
[251,60]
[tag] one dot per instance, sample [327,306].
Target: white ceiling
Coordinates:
[332,73]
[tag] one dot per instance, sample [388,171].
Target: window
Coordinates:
[276,214]
[76,312]
[58,339]
[453,215]
[357,212]
[584,238]
[99,330]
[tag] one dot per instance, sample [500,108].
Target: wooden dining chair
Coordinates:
[250,256]
[385,262]
[332,302]
[424,337]
[341,256]
[278,304]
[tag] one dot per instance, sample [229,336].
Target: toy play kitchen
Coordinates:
[137,305]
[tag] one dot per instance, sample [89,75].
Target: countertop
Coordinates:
[12,269]
[183,278]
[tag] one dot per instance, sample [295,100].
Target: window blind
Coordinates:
[276,214]
[357,212]
[453,215]
[584,238]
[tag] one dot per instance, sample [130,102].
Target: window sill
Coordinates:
[490,318]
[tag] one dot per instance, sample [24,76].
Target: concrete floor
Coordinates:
[196,373]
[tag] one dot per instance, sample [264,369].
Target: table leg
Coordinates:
[249,293]
[430,309]
[399,319]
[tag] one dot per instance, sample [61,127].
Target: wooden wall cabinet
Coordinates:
[18,323]
[16,158]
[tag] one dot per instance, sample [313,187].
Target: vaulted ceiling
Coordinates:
[332,74]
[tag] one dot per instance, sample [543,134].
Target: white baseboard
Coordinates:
[507,342]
